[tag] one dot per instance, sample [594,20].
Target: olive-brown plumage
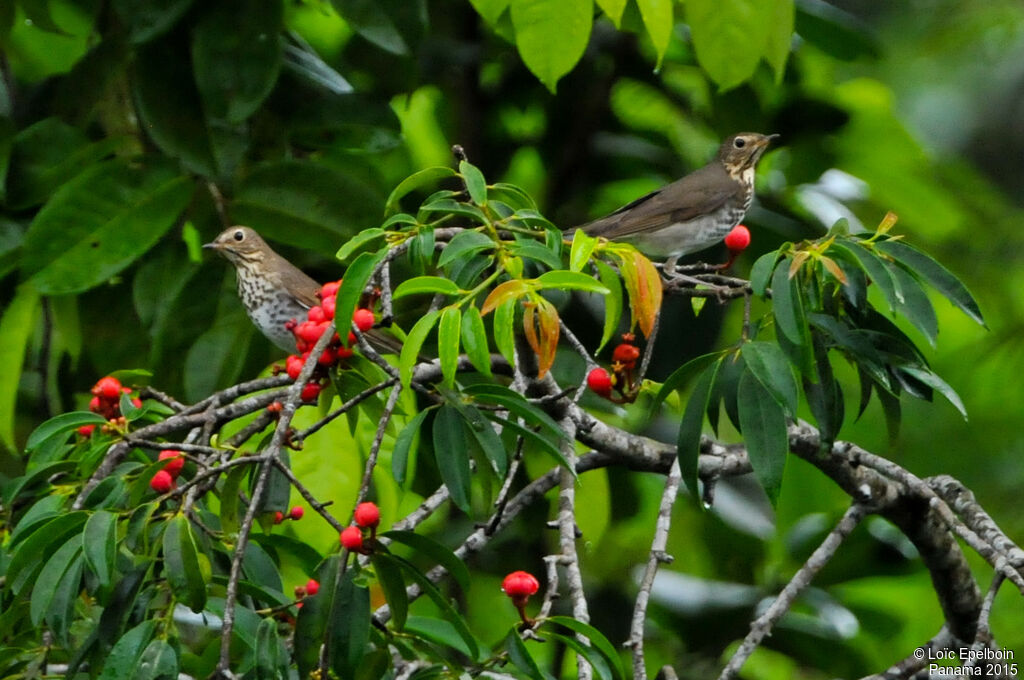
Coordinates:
[694,212]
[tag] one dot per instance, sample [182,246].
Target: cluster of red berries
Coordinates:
[164,479]
[624,358]
[519,586]
[366,516]
[307,333]
[106,401]
[295,514]
[311,588]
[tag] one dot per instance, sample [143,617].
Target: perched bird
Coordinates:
[694,212]
[272,289]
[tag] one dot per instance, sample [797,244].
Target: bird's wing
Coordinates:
[298,283]
[698,193]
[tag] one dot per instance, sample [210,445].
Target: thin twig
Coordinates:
[344,408]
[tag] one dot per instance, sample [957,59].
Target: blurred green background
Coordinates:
[302,116]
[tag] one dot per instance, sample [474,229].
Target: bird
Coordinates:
[694,212]
[272,289]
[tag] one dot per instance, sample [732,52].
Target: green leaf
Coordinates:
[413,342]
[59,425]
[57,564]
[688,441]
[357,276]
[463,245]
[761,272]
[657,17]
[451,455]
[476,185]
[426,284]
[445,607]
[572,281]
[551,36]
[597,639]
[788,308]
[520,656]
[61,612]
[350,625]
[311,622]
[780,36]
[100,222]
[99,542]
[425,177]
[358,242]
[181,563]
[771,368]
[490,10]
[403,443]
[729,37]
[389,574]
[612,302]
[28,558]
[435,551]
[449,330]
[596,660]
[916,307]
[158,662]
[370,20]
[438,631]
[613,9]
[763,424]
[516,404]
[236,56]
[504,331]
[940,278]
[876,270]
[268,647]
[825,397]
[681,376]
[474,340]
[124,659]
[147,19]
[535,251]
[546,445]
[450,206]
[582,247]
[935,382]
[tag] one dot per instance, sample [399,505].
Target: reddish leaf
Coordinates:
[549,332]
[505,291]
[644,287]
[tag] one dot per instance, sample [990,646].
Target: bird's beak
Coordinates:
[769,138]
[212,246]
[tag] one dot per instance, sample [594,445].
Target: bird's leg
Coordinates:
[668,269]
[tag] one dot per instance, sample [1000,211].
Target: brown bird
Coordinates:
[694,212]
[272,289]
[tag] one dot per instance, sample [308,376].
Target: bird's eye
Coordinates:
[239,235]
[739,143]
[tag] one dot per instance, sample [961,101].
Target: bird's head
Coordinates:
[743,150]
[239,244]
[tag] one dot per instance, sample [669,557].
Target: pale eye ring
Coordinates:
[239,235]
[739,143]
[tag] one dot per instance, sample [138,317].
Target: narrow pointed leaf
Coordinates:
[451,455]
[389,575]
[937,383]
[771,368]
[409,357]
[936,275]
[181,563]
[403,444]
[474,340]
[99,541]
[504,331]
[688,441]
[476,185]
[916,307]
[564,280]
[435,551]
[426,284]
[449,330]
[426,177]
[763,424]
[582,246]
[358,242]
[612,302]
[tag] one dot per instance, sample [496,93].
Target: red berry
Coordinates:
[107,388]
[600,382]
[329,289]
[343,352]
[310,392]
[278,517]
[310,332]
[312,587]
[367,515]
[363,319]
[293,366]
[316,314]
[136,402]
[351,538]
[296,513]
[519,585]
[162,482]
[351,340]
[177,461]
[86,430]
[738,239]
[95,406]
[328,357]
[626,354]
[328,305]
[275,407]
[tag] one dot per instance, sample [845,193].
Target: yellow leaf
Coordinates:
[887,223]
[649,287]
[549,333]
[833,269]
[798,260]
[505,291]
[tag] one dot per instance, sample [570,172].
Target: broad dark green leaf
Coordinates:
[688,441]
[373,22]
[517,404]
[761,272]
[597,661]
[463,245]
[572,281]
[435,551]
[269,664]
[426,284]
[825,397]
[181,563]
[876,270]
[834,31]
[99,542]
[389,575]
[551,36]
[771,368]
[100,222]
[916,307]
[413,342]
[729,37]
[58,563]
[935,274]
[44,509]
[452,456]
[597,640]
[474,340]
[123,660]
[236,56]
[277,493]
[546,445]
[358,242]
[681,376]
[424,178]
[147,19]
[61,613]
[158,662]
[476,185]
[449,331]
[521,657]
[312,620]
[349,626]
[788,308]
[259,568]
[763,424]
[489,441]
[403,444]
[357,276]
[61,424]
[444,606]
[26,561]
